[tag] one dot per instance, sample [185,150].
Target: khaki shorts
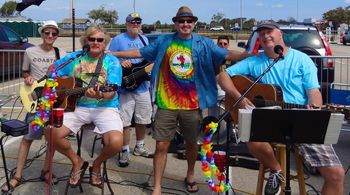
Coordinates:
[167,122]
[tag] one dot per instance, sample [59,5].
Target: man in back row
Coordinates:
[182,84]
[296,74]
[136,103]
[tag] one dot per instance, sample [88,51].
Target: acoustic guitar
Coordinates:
[68,91]
[137,74]
[263,95]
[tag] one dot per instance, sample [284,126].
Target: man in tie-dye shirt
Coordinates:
[95,106]
[182,84]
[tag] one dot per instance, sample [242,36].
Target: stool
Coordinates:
[79,137]
[280,152]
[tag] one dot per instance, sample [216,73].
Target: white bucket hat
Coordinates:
[48,24]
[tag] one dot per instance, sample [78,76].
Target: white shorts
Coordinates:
[138,105]
[105,119]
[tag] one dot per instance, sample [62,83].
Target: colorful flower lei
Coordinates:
[46,101]
[208,164]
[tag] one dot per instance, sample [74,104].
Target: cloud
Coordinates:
[347,1]
[277,6]
[260,4]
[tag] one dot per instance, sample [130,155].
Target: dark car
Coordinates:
[346,37]
[11,51]
[307,39]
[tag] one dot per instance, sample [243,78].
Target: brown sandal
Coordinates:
[4,187]
[43,177]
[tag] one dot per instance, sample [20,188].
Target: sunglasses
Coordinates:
[47,33]
[135,22]
[93,39]
[223,43]
[181,21]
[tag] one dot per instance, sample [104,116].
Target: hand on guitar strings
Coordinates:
[29,80]
[94,92]
[246,104]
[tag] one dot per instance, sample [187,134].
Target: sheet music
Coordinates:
[332,135]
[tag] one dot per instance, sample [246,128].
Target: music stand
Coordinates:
[289,127]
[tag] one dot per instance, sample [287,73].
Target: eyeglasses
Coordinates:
[181,21]
[93,39]
[223,43]
[135,22]
[47,33]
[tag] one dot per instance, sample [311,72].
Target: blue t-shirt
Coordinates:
[111,73]
[124,42]
[295,74]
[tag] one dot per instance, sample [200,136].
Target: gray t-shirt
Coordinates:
[37,61]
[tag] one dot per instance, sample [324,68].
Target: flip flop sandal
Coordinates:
[81,173]
[12,187]
[43,177]
[98,176]
[190,185]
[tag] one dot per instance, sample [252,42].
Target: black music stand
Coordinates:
[289,127]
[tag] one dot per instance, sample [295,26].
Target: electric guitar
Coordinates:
[31,94]
[263,95]
[133,77]
[68,91]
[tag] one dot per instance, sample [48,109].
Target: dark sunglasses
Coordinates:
[181,21]
[93,39]
[223,43]
[47,33]
[135,22]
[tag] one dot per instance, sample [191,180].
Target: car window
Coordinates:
[302,38]
[12,37]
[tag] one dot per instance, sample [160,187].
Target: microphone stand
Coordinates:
[234,105]
[63,65]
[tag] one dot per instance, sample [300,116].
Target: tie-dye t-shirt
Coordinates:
[177,88]
[83,70]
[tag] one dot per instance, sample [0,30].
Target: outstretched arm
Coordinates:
[236,56]
[134,53]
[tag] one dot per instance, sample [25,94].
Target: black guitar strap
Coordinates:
[97,71]
[142,40]
[57,53]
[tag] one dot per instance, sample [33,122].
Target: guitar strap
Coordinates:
[57,53]
[142,40]
[97,71]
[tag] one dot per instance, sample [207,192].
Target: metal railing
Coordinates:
[11,66]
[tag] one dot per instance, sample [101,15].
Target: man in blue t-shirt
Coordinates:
[137,103]
[296,74]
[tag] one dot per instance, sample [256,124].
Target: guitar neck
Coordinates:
[74,91]
[263,103]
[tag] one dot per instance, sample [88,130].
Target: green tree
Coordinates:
[104,16]
[8,8]
[338,16]
[216,18]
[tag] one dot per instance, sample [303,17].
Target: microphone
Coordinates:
[278,49]
[86,49]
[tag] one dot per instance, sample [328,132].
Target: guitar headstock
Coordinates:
[108,88]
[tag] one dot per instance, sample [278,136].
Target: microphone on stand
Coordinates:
[278,49]
[86,49]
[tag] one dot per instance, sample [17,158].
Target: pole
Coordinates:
[134,6]
[297,10]
[241,16]
[73,26]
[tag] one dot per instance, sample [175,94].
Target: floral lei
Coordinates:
[46,101]
[207,159]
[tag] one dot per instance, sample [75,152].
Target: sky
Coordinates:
[164,10]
